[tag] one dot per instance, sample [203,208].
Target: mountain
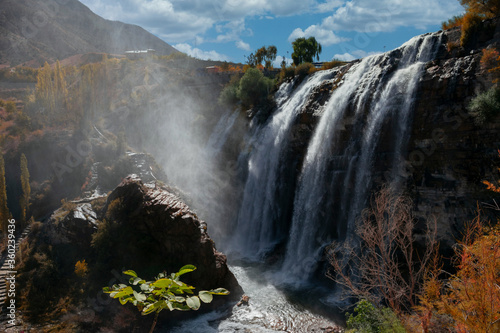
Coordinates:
[35,31]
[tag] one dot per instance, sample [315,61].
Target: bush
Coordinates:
[369,319]
[229,95]
[303,70]
[471,25]
[286,73]
[254,87]
[332,64]
[485,106]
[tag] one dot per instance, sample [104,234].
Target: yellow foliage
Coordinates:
[81,268]
[492,186]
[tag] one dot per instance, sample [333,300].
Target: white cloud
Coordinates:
[279,59]
[242,45]
[328,6]
[324,36]
[200,54]
[356,54]
[344,57]
[376,16]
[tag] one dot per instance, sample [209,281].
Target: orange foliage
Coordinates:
[455,21]
[492,186]
[483,8]
[469,301]
[81,268]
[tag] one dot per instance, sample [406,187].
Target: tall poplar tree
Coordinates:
[25,184]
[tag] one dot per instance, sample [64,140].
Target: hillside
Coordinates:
[35,31]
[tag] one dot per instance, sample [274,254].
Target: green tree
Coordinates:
[266,54]
[25,185]
[254,87]
[166,292]
[4,210]
[305,50]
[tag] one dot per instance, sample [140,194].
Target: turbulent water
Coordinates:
[268,310]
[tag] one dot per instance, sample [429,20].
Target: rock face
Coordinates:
[175,235]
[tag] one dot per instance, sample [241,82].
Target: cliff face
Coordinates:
[449,155]
[444,155]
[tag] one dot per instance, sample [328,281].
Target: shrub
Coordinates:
[471,25]
[485,106]
[332,64]
[81,268]
[303,70]
[369,319]
[254,87]
[229,95]
[286,73]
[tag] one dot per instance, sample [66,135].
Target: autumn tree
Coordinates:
[4,210]
[483,8]
[386,267]
[26,190]
[305,50]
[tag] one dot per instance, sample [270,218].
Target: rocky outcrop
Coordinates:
[172,234]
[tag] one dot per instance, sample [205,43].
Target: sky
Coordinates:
[229,30]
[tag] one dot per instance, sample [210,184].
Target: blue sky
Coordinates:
[232,29]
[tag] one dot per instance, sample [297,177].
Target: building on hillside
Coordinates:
[138,54]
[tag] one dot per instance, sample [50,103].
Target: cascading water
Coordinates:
[257,230]
[337,173]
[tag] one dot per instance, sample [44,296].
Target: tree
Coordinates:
[254,87]
[4,210]
[26,189]
[264,54]
[386,268]
[166,292]
[304,50]
[483,8]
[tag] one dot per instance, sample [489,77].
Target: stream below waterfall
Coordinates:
[270,308]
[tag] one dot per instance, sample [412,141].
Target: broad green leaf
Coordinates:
[219,291]
[131,273]
[139,297]
[124,292]
[180,306]
[205,296]
[106,290]
[185,269]
[179,299]
[193,302]
[162,283]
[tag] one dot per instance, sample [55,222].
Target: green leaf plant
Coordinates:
[166,292]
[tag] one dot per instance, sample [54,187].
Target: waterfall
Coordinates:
[221,131]
[257,229]
[373,104]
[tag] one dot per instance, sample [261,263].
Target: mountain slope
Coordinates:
[36,31]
